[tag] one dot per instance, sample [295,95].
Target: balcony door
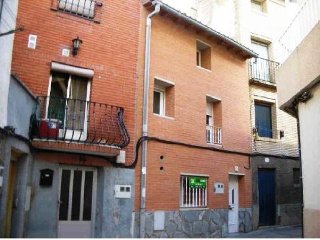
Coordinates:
[68,103]
[260,65]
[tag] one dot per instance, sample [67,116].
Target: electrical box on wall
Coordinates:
[122,191]
[218,188]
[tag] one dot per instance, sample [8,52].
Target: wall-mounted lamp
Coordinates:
[76,45]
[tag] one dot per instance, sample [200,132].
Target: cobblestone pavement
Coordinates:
[271,232]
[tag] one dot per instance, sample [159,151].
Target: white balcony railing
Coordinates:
[214,135]
[298,29]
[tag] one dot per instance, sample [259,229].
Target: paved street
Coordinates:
[272,232]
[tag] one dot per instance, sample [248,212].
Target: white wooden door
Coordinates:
[233,214]
[76,202]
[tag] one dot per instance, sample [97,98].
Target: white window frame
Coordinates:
[193,197]
[66,133]
[162,100]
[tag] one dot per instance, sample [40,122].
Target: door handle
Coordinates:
[59,202]
[230,208]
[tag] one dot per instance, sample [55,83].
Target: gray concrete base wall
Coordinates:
[23,164]
[42,220]
[207,223]
[114,215]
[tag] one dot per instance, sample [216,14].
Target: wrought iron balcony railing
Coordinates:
[262,70]
[76,120]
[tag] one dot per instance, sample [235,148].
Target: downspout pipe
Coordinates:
[145,120]
[301,176]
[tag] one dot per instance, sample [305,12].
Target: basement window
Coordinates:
[203,55]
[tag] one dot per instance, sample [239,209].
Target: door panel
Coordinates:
[233,214]
[9,203]
[77,194]
[267,203]
[261,64]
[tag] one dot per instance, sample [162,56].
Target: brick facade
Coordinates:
[109,49]
[173,59]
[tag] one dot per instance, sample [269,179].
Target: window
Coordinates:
[260,67]
[213,120]
[158,101]
[259,5]
[263,120]
[296,177]
[203,55]
[163,97]
[193,191]
[89,9]
[68,98]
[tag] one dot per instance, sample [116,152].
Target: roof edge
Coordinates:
[248,52]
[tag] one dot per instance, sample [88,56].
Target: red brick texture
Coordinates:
[173,58]
[109,48]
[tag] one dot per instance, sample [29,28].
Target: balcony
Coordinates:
[307,17]
[262,71]
[214,135]
[78,121]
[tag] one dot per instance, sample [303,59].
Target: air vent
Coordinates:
[32,41]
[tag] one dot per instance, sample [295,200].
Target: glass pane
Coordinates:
[77,103]
[87,201]
[156,102]
[263,120]
[58,94]
[76,195]
[64,195]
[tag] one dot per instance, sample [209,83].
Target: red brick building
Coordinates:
[196,129]
[83,127]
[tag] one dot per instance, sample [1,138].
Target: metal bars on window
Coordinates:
[193,191]
[89,9]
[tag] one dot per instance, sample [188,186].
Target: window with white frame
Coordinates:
[203,55]
[68,98]
[193,191]
[163,97]
[159,101]
[213,120]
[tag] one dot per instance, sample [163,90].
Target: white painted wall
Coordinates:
[7,23]
[309,115]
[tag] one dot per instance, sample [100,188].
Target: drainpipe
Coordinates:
[145,120]
[301,178]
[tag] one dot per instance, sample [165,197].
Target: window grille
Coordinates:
[193,191]
[89,9]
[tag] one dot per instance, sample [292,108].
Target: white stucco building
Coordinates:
[299,95]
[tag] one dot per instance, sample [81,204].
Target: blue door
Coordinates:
[267,197]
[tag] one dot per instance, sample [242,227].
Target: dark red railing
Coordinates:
[79,121]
